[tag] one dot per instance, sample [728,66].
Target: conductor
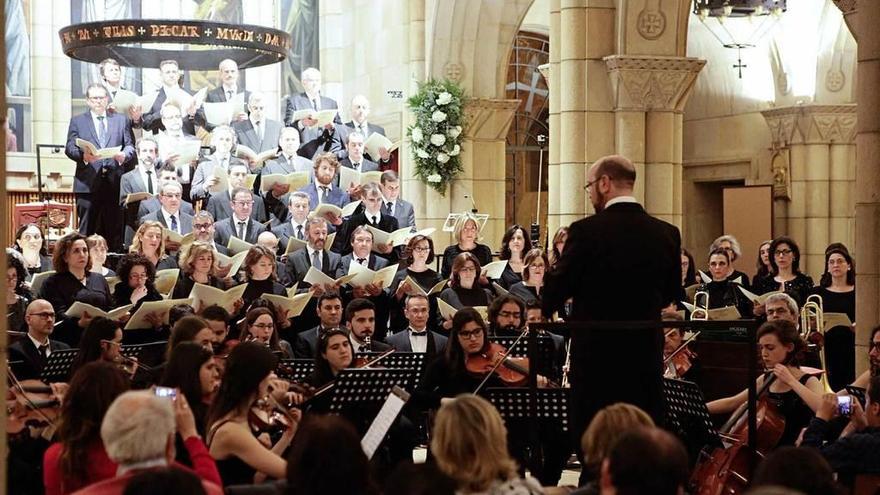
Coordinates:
[619,264]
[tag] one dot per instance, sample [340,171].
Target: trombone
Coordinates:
[813,320]
[701,306]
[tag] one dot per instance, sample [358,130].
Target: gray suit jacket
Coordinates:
[284,232]
[247,135]
[148,206]
[217,95]
[301,102]
[298,263]
[132,183]
[186,221]
[204,170]
[348,128]
[403,212]
[281,165]
[218,205]
[224,230]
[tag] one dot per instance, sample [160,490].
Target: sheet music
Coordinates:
[379,428]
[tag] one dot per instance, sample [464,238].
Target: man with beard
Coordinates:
[506,316]
[874,355]
[619,264]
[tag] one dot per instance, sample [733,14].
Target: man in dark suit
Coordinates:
[297,223]
[287,162]
[34,349]
[619,264]
[169,215]
[144,178]
[360,318]
[356,159]
[311,98]
[258,132]
[151,120]
[228,89]
[361,253]
[372,216]
[96,181]
[313,254]
[416,337]
[360,110]
[329,314]
[167,172]
[219,204]
[393,204]
[322,190]
[240,224]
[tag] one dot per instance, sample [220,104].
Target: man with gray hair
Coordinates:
[781,307]
[138,432]
[169,215]
[258,132]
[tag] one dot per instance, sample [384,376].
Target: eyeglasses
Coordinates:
[97,98]
[263,326]
[508,314]
[46,314]
[421,249]
[178,196]
[467,335]
[137,275]
[590,183]
[468,269]
[202,226]
[874,346]
[244,203]
[782,252]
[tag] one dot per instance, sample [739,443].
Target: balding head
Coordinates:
[610,177]
[40,319]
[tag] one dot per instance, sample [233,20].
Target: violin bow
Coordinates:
[20,388]
[500,361]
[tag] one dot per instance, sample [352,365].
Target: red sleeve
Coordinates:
[203,464]
[51,473]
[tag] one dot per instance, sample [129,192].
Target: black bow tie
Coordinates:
[423,333]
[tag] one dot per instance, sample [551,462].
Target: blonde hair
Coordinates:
[461,221]
[470,443]
[136,242]
[190,253]
[607,426]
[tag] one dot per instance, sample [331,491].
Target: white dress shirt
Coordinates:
[419,343]
[37,344]
[167,215]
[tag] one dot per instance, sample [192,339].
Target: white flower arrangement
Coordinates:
[438,107]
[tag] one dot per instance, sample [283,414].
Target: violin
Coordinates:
[513,372]
[726,470]
[680,361]
[32,407]
[269,416]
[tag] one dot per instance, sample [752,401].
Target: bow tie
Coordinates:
[414,333]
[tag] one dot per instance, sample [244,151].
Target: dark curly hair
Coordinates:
[62,246]
[131,260]
[505,242]
[13,261]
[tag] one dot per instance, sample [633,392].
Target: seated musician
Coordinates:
[332,355]
[192,370]
[259,326]
[795,394]
[874,360]
[100,341]
[723,292]
[241,458]
[683,364]
[360,319]
[506,316]
[34,349]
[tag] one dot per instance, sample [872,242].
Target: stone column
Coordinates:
[412,189]
[553,181]
[861,17]
[782,123]
[649,94]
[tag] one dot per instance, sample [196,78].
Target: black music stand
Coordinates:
[513,403]
[297,370]
[57,367]
[357,388]
[547,365]
[147,354]
[687,416]
[399,360]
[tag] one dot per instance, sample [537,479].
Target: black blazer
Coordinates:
[32,362]
[342,242]
[225,229]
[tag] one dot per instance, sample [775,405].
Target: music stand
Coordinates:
[57,367]
[399,360]
[357,388]
[513,403]
[687,415]
[295,369]
[148,354]
[546,357]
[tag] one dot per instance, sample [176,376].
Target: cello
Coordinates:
[726,470]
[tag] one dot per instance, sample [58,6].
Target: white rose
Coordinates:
[455,150]
[434,178]
[422,153]
[438,116]
[442,157]
[438,139]
[417,135]
[444,98]
[454,132]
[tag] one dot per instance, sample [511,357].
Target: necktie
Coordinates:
[228,95]
[356,166]
[241,230]
[316,260]
[373,220]
[299,232]
[174,223]
[361,260]
[150,181]
[102,131]
[315,103]
[258,126]
[113,94]
[324,192]
[44,351]
[390,207]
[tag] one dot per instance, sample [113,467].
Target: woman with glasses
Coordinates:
[786,275]
[463,290]
[419,252]
[197,265]
[513,246]
[98,252]
[837,287]
[149,241]
[137,277]
[72,282]
[533,277]
[466,233]
[18,296]
[101,341]
[259,326]
[29,242]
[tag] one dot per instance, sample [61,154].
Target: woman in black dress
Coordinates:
[762,264]
[464,290]
[137,277]
[18,296]
[260,274]
[259,326]
[514,245]
[334,354]
[722,290]
[197,265]
[249,377]
[73,282]
[837,287]
[149,241]
[533,277]
[466,233]
[29,242]
[418,254]
[786,275]
[734,252]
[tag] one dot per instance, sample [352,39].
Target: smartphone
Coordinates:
[165,392]
[844,405]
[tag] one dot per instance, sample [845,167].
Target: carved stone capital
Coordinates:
[488,119]
[782,123]
[644,83]
[814,124]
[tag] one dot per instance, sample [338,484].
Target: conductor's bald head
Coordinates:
[610,177]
